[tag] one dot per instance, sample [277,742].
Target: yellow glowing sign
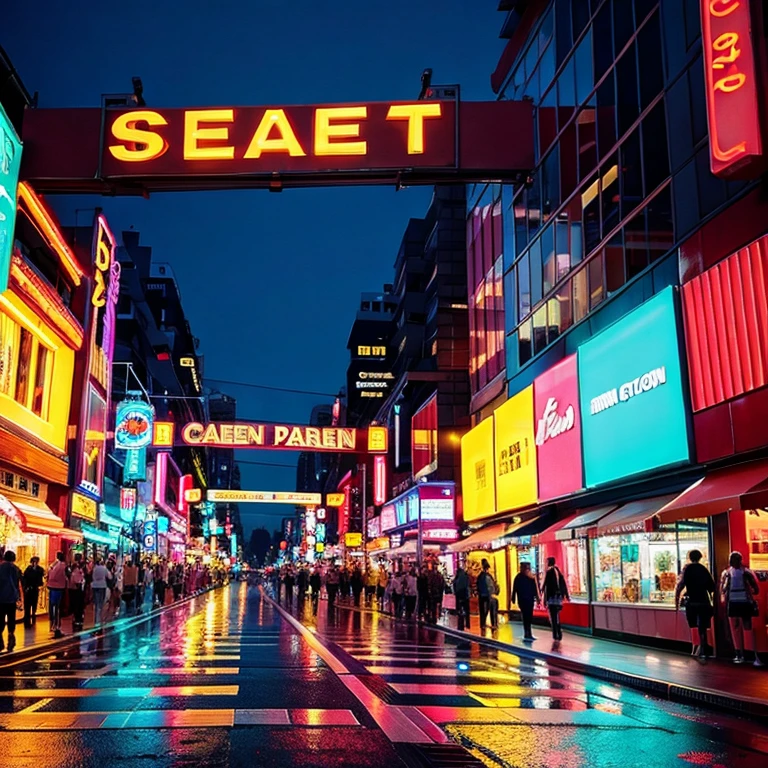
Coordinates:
[335,500]
[478,480]
[163,434]
[353,540]
[187,362]
[369,351]
[415,115]
[378,438]
[193,495]
[515,450]
[82,506]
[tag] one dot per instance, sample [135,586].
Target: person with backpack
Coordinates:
[77,592]
[738,586]
[486,589]
[697,583]
[10,596]
[554,591]
[57,583]
[461,591]
[34,578]
[525,592]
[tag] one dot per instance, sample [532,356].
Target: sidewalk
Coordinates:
[39,639]
[670,675]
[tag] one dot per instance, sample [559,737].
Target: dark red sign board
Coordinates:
[146,149]
[730,48]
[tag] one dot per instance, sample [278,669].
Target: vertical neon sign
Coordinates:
[379,480]
[735,144]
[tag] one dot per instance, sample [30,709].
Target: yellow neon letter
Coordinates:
[194,133]
[324,131]
[287,141]
[415,114]
[124,129]
[725,9]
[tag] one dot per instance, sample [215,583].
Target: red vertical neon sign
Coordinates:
[379,480]
[735,145]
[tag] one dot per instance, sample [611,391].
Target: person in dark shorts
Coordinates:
[699,586]
[738,586]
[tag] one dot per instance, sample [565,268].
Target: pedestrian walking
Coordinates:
[461,592]
[161,581]
[130,585]
[371,580]
[525,592]
[738,587]
[356,583]
[315,584]
[410,592]
[332,586]
[177,585]
[699,587]
[147,588]
[114,586]
[302,583]
[422,588]
[381,586]
[436,591]
[554,591]
[99,589]
[76,584]
[388,601]
[33,580]
[289,582]
[486,588]
[10,597]
[398,591]
[57,583]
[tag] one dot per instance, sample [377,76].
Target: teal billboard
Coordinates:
[631,393]
[10,161]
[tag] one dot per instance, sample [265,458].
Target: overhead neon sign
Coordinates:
[286,437]
[264,497]
[735,143]
[372,142]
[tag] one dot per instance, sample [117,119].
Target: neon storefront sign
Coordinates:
[735,142]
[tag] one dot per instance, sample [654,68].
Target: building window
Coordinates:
[25,365]
[644,567]
[485,267]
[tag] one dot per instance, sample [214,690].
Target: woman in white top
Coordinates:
[738,587]
[410,591]
[99,589]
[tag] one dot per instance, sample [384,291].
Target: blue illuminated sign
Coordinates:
[150,535]
[162,525]
[133,424]
[10,161]
[631,392]
[135,464]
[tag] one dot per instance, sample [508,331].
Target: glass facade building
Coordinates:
[622,176]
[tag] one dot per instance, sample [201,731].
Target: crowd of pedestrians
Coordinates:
[103,589]
[406,593]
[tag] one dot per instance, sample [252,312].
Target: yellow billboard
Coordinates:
[477,475]
[515,451]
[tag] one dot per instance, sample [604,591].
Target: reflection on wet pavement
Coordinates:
[516,711]
[222,680]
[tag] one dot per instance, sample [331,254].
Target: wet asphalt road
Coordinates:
[222,680]
[512,711]
[226,680]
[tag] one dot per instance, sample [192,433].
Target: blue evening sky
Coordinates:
[270,282]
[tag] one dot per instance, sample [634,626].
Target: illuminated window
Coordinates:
[24,367]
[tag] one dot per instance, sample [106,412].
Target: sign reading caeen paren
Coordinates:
[558,430]
[285,437]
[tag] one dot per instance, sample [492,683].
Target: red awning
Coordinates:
[553,533]
[635,517]
[744,486]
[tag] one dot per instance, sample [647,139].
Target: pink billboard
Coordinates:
[558,430]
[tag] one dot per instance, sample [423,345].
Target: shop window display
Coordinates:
[757,538]
[574,567]
[644,567]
